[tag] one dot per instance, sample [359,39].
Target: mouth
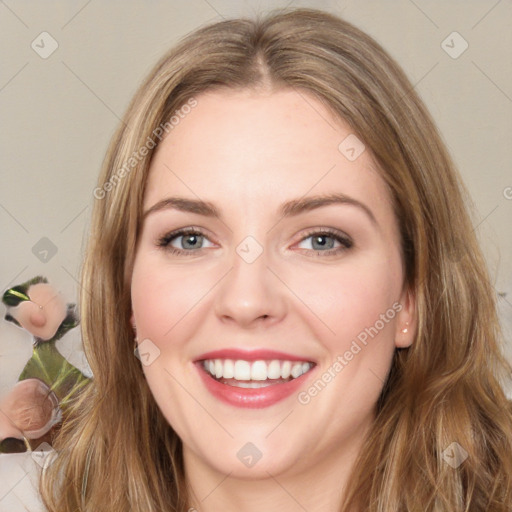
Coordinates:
[255,374]
[253,383]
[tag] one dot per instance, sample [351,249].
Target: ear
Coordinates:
[406,320]
[132,322]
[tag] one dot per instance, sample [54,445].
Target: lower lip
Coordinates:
[251,397]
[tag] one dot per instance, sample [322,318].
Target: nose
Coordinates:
[38,317]
[250,293]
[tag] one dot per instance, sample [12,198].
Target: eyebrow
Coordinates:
[291,208]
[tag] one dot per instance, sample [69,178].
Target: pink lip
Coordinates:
[251,397]
[250,355]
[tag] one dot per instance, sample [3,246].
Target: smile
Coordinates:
[255,374]
[251,382]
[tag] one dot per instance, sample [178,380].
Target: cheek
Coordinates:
[358,303]
[162,297]
[352,298]
[165,301]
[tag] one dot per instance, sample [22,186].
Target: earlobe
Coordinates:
[406,320]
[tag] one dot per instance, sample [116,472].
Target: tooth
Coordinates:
[274,370]
[296,370]
[229,369]
[259,370]
[286,369]
[242,370]
[251,384]
[218,368]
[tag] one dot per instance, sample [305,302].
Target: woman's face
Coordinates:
[275,282]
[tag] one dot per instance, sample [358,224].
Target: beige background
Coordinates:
[59,112]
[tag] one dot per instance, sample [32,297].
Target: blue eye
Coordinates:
[192,239]
[321,244]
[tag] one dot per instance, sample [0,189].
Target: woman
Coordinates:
[282,231]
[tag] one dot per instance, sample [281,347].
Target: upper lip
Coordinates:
[251,355]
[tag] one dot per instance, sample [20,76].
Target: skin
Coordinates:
[43,314]
[248,152]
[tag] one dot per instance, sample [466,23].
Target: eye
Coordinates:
[323,242]
[191,241]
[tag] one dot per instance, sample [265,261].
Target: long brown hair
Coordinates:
[117,451]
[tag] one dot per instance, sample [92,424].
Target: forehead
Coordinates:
[242,148]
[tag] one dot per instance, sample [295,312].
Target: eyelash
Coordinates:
[346,242]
